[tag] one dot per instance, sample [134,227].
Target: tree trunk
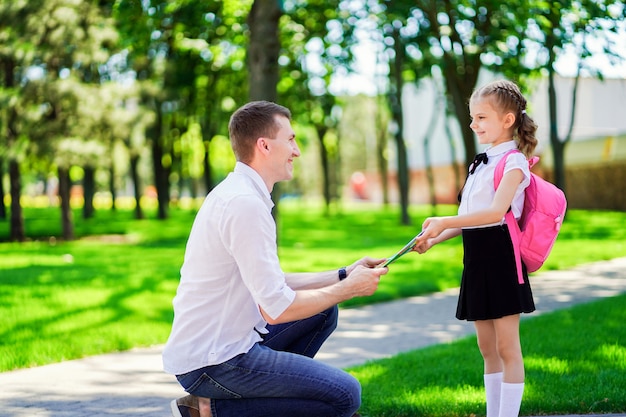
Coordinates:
[325,163]
[208,176]
[263,60]
[67,225]
[134,174]
[161,174]
[459,87]
[264,49]
[430,175]
[3,208]
[89,190]
[381,146]
[397,111]
[450,138]
[17,232]
[112,189]
[558,147]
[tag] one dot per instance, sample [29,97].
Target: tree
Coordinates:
[181,52]
[316,42]
[434,117]
[264,49]
[464,37]
[395,98]
[460,38]
[47,42]
[557,26]
[14,60]
[281,42]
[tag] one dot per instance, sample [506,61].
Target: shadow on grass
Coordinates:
[91,305]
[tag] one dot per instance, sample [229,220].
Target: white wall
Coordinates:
[600,112]
[600,108]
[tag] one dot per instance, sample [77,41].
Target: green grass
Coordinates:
[112,289]
[575,363]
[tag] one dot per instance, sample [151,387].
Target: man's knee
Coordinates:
[349,396]
[332,317]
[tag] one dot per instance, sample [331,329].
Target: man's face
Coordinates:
[284,149]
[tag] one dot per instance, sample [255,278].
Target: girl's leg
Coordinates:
[510,350]
[486,334]
[487,344]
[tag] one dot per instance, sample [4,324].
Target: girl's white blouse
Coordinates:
[478,192]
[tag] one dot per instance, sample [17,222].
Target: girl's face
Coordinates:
[490,126]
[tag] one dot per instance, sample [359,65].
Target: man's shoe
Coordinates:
[186,406]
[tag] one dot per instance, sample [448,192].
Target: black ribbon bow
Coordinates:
[480,158]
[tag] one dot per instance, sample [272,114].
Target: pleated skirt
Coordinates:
[489,285]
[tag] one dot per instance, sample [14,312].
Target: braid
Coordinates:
[507,97]
[526,142]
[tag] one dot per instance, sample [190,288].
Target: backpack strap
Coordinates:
[511,222]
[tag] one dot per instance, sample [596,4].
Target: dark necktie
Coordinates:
[480,158]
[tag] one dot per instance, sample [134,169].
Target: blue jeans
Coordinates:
[278,376]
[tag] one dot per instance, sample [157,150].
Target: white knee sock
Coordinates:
[511,399]
[493,388]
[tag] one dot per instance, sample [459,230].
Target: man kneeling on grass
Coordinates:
[244,332]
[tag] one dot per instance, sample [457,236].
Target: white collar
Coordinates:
[501,148]
[247,170]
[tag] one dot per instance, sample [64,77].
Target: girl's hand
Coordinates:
[431,229]
[423,246]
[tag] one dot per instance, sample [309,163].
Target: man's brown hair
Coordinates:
[254,120]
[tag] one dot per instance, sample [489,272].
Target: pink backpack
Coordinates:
[539,226]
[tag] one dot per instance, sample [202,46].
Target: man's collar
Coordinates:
[247,170]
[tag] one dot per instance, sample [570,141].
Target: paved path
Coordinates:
[132,383]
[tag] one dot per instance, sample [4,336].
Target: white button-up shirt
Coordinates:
[479,192]
[230,268]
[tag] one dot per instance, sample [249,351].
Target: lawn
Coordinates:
[111,290]
[575,363]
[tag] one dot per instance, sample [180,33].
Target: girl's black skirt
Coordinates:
[489,286]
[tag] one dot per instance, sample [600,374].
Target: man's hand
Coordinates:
[367,262]
[363,279]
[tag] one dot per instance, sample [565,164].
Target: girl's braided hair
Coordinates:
[506,97]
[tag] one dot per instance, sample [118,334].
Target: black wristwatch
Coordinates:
[342,273]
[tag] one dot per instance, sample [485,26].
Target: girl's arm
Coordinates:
[423,245]
[433,227]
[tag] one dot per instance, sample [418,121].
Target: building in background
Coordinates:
[598,140]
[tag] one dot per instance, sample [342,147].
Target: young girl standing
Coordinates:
[490,293]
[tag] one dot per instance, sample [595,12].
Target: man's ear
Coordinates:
[262,144]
